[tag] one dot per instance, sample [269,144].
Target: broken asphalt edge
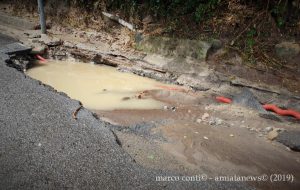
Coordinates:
[86,115]
[17,48]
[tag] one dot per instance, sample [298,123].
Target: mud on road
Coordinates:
[201,135]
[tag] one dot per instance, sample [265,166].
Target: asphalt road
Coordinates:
[4,40]
[43,147]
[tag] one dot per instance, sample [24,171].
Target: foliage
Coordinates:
[278,12]
[170,9]
[174,12]
[205,9]
[198,10]
[250,42]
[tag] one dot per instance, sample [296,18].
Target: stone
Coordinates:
[290,139]
[287,50]
[206,138]
[268,129]
[279,129]
[258,130]
[199,120]
[50,41]
[207,108]
[212,122]
[35,36]
[215,121]
[35,41]
[216,44]
[247,99]
[60,54]
[173,108]
[174,47]
[166,107]
[219,121]
[69,44]
[205,116]
[198,82]
[272,135]
[148,19]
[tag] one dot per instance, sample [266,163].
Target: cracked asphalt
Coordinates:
[43,147]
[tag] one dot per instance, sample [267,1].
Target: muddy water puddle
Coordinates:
[98,87]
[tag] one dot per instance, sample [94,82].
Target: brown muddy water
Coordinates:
[98,87]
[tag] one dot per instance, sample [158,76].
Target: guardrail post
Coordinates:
[42,16]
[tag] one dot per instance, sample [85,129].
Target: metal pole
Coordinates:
[42,16]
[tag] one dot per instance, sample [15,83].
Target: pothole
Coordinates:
[98,87]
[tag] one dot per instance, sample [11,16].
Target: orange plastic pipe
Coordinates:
[268,107]
[223,99]
[279,111]
[41,58]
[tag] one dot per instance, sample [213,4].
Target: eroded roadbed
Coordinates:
[43,146]
[206,136]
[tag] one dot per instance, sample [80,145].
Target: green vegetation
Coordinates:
[197,10]
[250,42]
[204,9]
[169,9]
[252,27]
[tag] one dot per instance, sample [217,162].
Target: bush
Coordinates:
[168,9]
